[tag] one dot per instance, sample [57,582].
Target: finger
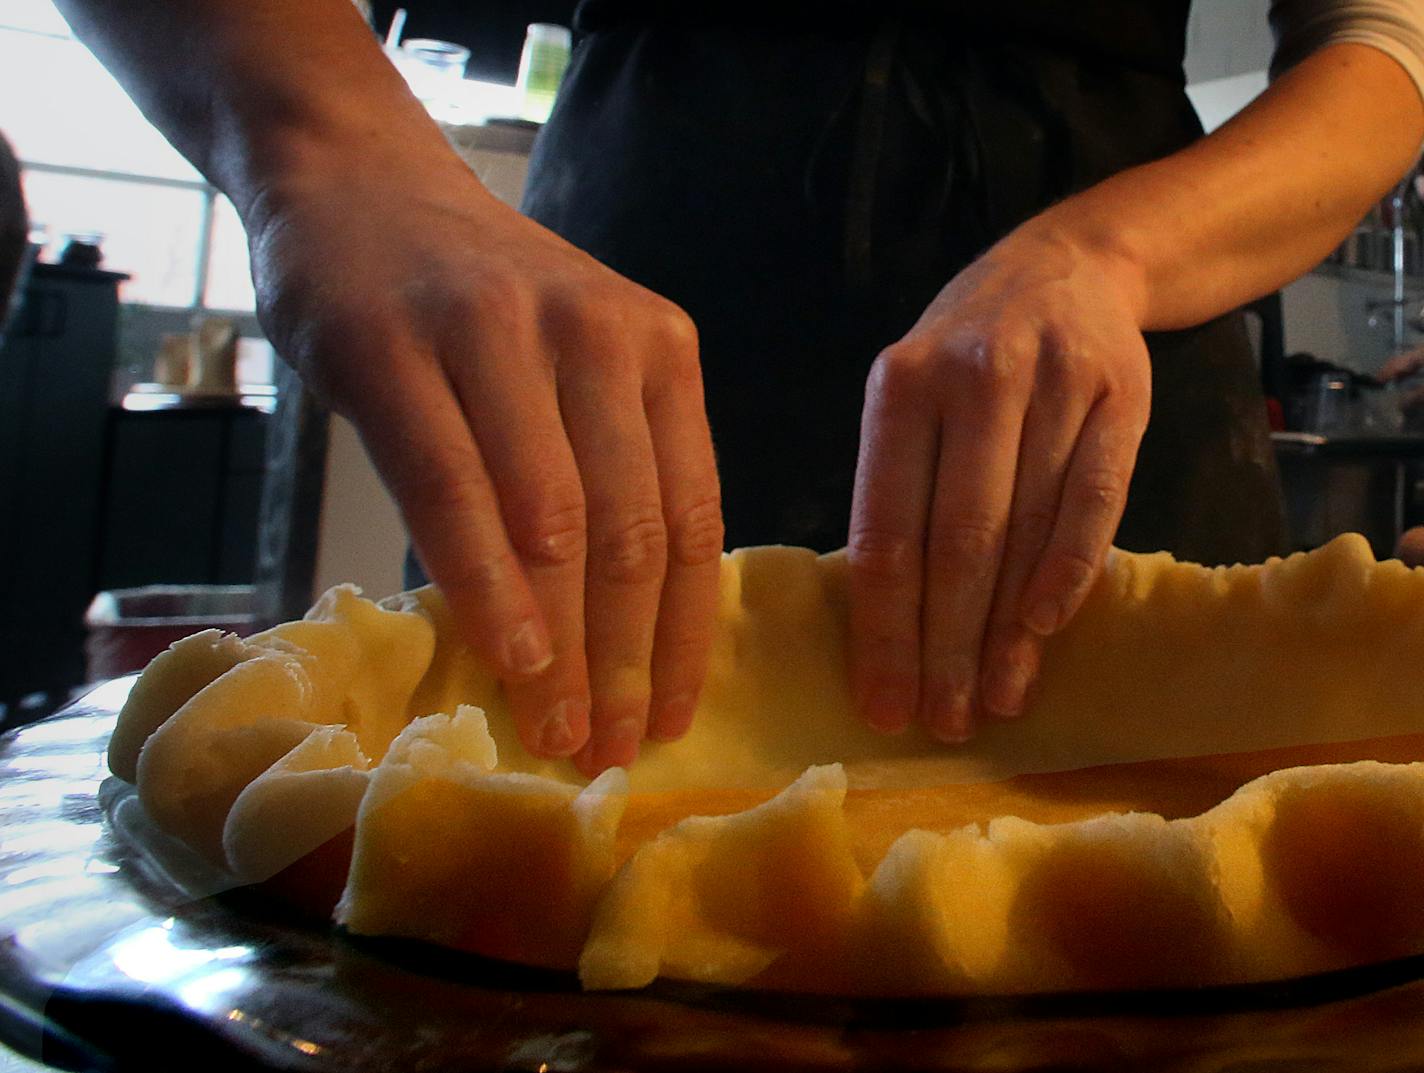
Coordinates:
[627,552]
[1406,363]
[1011,653]
[899,442]
[1094,494]
[420,444]
[509,398]
[1410,549]
[978,461]
[692,511]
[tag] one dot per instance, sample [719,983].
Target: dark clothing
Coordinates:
[803,194]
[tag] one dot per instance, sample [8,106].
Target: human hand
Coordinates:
[1401,367]
[1404,364]
[1410,549]
[997,442]
[538,420]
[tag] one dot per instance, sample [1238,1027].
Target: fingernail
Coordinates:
[1042,618]
[1005,689]
[951,722]
[527,650]
[887,710]
[556,735]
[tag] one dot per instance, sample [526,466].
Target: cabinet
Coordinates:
[54,386]
[181,496]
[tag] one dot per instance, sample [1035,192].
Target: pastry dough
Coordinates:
[1194,796]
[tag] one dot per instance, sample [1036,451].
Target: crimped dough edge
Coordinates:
[363,742]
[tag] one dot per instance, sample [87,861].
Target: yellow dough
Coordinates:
[1214,783]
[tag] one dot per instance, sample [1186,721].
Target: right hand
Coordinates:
[1410,549]
[539,421]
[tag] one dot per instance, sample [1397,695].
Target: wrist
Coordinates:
[1090,242]
[298,127]
[298,166]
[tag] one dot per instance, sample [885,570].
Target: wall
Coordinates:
[1226,38]
[361,538]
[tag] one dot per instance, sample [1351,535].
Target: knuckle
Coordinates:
[1072,569]
[898,375]
[588,316]
[673,372]
[1032,527]
[1128,400]
[633,551]
[497,292]
[674,330]
[553,533]
[1100,496]
[682,656]
[483,578]
[438,490]
[428,299]
[987,362]
[884,557]
[696,534]
[965,540]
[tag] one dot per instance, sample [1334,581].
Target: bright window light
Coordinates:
[93,164]
[229,284]
[151,232]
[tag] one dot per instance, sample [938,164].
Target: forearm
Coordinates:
[1260,200]
[260,94]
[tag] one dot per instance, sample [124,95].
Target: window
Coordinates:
[93,165]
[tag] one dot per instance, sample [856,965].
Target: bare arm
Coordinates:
[537,417]
[963,560]
[257,94]
[1262,199]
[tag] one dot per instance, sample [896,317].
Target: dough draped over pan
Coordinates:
[1166,813]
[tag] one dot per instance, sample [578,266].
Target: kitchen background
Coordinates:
[172,450]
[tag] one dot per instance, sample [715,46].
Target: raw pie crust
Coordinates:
[1214,784]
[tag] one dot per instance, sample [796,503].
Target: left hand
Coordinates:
[997,442]
[1402,366]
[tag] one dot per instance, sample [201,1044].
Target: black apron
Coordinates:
[804,185]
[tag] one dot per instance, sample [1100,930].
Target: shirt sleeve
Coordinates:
[1395,27]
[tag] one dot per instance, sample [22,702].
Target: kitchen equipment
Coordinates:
[1351,482]
[541,69]
[128,627]
[434,70]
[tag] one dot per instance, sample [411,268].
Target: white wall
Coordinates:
[361,537]
[1226,38]
[1228,50]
